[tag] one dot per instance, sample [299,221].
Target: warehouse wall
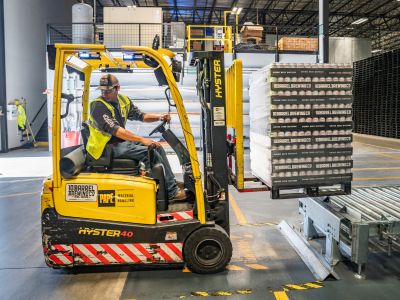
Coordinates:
[25,49]
[348,49]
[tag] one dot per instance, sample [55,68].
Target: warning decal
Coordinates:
[219,116]
[81,192]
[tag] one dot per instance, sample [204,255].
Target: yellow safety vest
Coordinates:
[21,118]
[97,138]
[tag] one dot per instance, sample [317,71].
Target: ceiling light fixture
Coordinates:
[236,10]
[378,50]
[360,21]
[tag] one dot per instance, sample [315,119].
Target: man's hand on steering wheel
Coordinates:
[165,117]
[148,142]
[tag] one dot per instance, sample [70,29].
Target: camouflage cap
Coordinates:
[107,82]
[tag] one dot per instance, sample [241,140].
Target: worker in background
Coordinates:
[21,115]
[109,114]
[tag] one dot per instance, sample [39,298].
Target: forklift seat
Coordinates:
[106,163]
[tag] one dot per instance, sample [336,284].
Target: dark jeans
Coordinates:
[136,151]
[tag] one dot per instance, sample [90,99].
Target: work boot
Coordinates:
[180,195]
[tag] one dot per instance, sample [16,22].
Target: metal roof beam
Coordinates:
[299,13]
[234,3]
[194,11]
[211,11]
[358,7]
[176,10]
[247,11]
[204,12]
[362,27]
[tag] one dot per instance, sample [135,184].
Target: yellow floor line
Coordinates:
[235,237]
[281,295]
[200,294]
[295,287]
[257,267]
[234,268]
[313,285]
[246,251]
[376,178]
[376,169]
[238,213]
[222,293]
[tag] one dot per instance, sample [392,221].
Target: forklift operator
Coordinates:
[109,114]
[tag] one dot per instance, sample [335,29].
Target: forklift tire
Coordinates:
[208,250]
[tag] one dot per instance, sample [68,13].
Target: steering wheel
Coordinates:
[159,128]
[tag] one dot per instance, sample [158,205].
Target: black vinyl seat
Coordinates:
[106,163]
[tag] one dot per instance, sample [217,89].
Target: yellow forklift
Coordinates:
[110,211]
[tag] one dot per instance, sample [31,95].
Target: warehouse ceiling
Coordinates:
[298,17]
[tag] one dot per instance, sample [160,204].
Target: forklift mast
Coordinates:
[211,91]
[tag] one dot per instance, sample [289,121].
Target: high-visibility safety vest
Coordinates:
[21,117]
[97,138]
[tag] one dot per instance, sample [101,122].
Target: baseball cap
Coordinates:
[107,82]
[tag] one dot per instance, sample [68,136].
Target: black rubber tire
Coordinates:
[207,250]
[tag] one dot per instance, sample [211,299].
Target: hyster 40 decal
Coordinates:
[105,232]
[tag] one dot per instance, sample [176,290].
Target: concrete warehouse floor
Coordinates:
[262,263]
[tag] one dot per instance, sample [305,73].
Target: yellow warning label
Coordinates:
[125,198]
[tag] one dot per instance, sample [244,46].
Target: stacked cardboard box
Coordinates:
[251,33]
[301,126]
[197,33]
[298,44]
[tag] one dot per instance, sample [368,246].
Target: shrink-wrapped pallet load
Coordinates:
[301,128]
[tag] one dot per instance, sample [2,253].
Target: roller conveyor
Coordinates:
[350,222]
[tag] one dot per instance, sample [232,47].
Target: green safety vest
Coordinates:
[98,139]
